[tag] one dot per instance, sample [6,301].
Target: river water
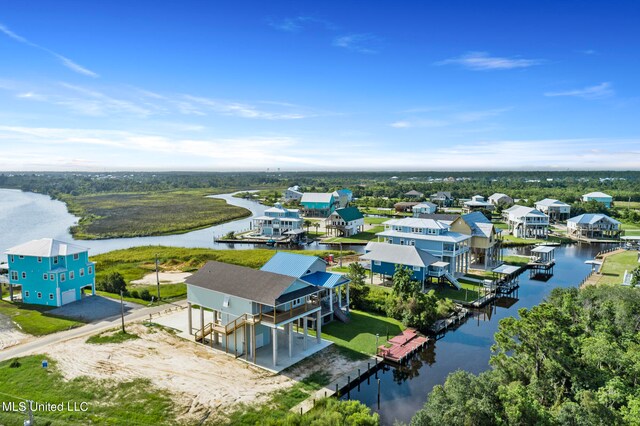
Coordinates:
[26,216]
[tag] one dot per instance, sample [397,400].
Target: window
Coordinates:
[71,275]
[45,276]
[412,242]
[12,259]
[50,296]
[416,268]
[76,256]
[39,295]
[401,242]
[26,294]
[24,275]
[39,259]
[62,277]
[90,270]
[55,260]
[226,302]
[51,277]
[14,275]
[377,262]
[21,257]
[82,272]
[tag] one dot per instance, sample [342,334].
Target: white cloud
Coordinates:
[450,119]
[599,91]
[361,43]
[63,59]
[481,61]
[246,110]
[299,23]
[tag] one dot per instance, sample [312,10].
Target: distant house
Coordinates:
[251,310]
[424,208]
[318,204]
[485,241]
[342,197]
[334,288]
[593,225]
[345,222]
[556,210]
[600,197]
[50,272]
[477,202]
[414,194]
[405,206]
[526,222]
[277,221]
[385,258]
[500,199]
[442,198]
[292,194]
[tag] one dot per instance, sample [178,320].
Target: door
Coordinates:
[68,296]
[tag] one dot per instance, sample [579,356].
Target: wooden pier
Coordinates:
[441,326]
[402,346]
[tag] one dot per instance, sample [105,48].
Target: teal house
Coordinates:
[600,197]
[252,313]
[50,272]
[318,204]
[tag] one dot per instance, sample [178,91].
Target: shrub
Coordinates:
[15,364]
[145,295]
[112,283]
[135,294]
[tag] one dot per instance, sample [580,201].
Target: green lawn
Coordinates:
[135,402]
[358,238]
[359,336]
[631,229]
[34,319]
[375,220]
[613,268]
[135,214]
[510,240]
[468,293]
[516,260]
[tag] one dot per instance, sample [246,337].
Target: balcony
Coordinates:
[280,316]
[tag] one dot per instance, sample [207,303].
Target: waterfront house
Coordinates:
[50,272]
[424,208]
[477,202]
[500,199]
[292,194]
[249,311]
[278,221]
[385,258]
[345,222]
[342,197]
[593,226]
[442,198]
[556,210]
[318,204]
[414,194]
[600,197]
[485,239]
[334,288]
[526,222]
[433,236]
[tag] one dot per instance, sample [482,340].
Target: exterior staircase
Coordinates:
[339,314]
[452,280]
[226,329]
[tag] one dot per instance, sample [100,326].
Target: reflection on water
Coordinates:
[468,347]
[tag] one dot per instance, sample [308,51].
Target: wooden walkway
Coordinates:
[402,346]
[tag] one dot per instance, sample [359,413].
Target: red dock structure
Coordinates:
[402,346]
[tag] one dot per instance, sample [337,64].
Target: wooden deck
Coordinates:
[402,346]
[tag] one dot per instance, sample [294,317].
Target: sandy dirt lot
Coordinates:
[204,381]
[11,337]
[171,277]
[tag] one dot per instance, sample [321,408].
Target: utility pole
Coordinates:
[122,310]
[341,255]
[28,412]
[158,278]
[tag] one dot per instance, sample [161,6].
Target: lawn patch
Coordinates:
[35,319]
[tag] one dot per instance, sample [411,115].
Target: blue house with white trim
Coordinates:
[318,204]
[600,197]
[50,272]
[313,270]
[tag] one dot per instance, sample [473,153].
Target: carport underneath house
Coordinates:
[247,312]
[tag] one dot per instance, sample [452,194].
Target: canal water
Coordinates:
[25,216]
[404,389]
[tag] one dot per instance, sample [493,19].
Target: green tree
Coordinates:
[358,290]
[404,286]
[112,283]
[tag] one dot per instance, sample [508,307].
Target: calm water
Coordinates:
[25,216]
[404,390]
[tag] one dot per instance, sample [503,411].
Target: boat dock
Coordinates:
[402,346]
[442,325]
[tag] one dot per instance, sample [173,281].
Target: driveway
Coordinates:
[93,308]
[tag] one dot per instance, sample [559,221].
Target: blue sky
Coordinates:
[433,85]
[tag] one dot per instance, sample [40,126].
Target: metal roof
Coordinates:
[592,218]
[414,222]
[519,211]
[543,249]
[505,269]
[325,279]
[46,247]
[449,237]
[349,213]
[317,197]
[397,254]
[551,202]
[291,264]
[597,194]
[425,204]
